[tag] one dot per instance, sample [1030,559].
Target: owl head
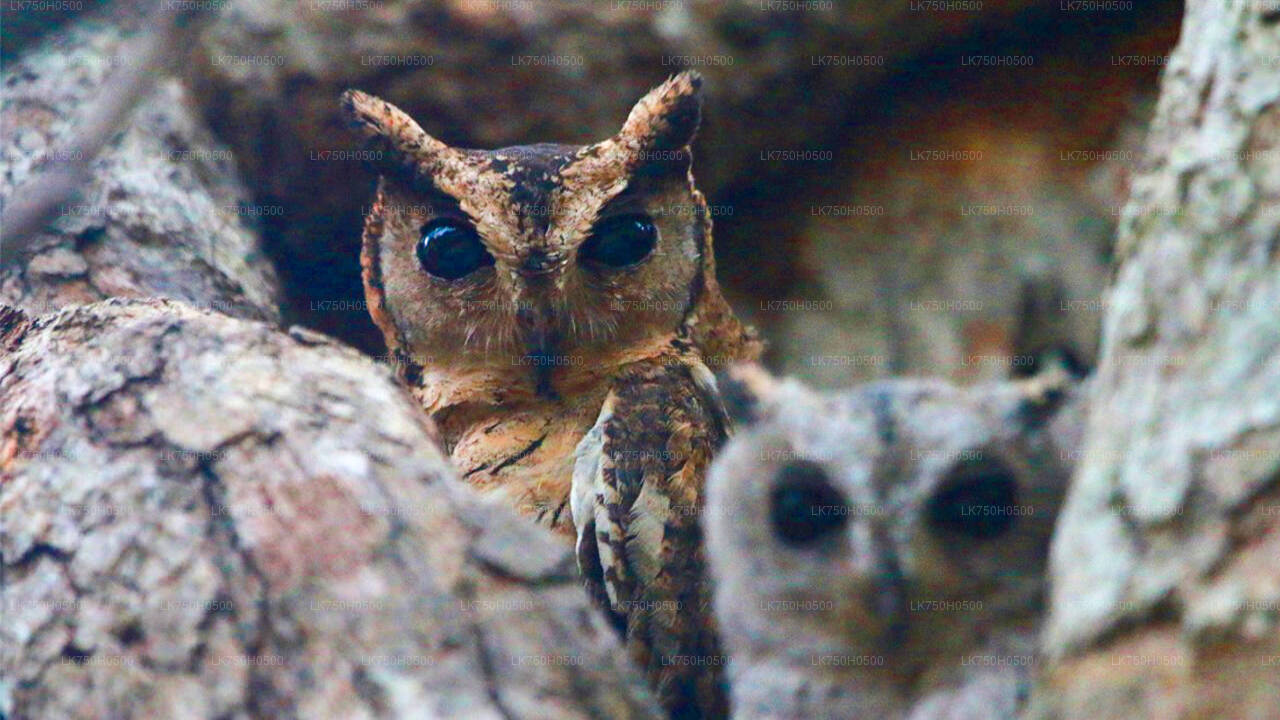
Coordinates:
[540,265]
[881,551]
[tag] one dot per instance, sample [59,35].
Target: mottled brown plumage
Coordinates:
[637,499]
[574,388]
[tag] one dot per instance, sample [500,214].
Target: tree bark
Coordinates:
[163,213]
[201,516]
[1166,562]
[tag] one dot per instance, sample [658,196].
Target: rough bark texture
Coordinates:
[201,516]
[1166,562]
[165,214]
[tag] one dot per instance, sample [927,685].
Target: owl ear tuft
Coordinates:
[748,392]
[1040,400]
[399,141]
[667,117]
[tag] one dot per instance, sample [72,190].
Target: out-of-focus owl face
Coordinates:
[538,256]
[885,530]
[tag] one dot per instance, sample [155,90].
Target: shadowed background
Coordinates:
[920,187]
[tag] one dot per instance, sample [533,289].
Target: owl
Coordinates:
[555,309]
[880,552]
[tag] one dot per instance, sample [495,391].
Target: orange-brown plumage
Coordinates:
[570,316]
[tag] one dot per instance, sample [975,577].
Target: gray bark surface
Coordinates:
[164,214]
[201,516]
[1166,562]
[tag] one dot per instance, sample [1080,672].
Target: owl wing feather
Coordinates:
[636,499]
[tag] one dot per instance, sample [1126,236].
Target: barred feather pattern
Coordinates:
[637,500]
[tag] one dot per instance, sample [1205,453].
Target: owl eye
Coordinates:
[620,241]
[451,249]
[978,500]
[804,507]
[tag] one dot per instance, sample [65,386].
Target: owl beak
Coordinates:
[536,264]
[890,603]
[536,318]
[885,592]
[537,327]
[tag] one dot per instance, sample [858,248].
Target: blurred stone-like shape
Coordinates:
[165,213]
[964,227]
[971,268]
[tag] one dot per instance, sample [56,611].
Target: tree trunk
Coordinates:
[1166,562]
[164,212]
[201,516]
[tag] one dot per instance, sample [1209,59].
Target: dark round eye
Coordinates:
[978,500]
[804,507]
[451,249]
[620,241]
